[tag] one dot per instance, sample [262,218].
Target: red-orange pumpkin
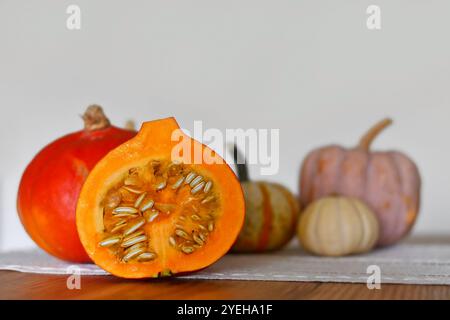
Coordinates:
[389,182]
[51,183]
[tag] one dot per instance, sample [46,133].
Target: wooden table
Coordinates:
[15,285]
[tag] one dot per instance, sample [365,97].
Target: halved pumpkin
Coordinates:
[150,208]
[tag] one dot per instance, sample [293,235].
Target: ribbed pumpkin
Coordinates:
[271,213]
[337,226]
[52,181]
[388,182]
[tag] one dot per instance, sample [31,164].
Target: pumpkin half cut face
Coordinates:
[150,208]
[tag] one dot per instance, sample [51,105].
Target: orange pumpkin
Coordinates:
[51,183]
[148,210]
[389,182]
[271,213]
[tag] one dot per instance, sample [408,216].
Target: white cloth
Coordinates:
[419,260]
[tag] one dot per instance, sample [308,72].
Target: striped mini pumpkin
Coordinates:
[271,213]
[270,217]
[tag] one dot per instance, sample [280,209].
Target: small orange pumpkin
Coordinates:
[389,182]
[49,188]
[147,211]
[271,213]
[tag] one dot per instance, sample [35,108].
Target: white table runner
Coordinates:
[418,260]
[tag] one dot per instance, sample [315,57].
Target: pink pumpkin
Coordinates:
[389,182]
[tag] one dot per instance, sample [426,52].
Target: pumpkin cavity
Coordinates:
[158,206]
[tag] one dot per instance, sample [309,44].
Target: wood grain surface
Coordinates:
[15,285]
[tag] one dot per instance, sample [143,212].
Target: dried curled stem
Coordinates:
[94,118]
[373,132]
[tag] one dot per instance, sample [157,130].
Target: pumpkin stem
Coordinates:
[373,132]
[240,161]
[94,118]
[130,125]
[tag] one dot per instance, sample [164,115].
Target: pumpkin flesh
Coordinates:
[186,228]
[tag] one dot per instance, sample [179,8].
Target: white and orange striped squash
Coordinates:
[271,213]
[270,217]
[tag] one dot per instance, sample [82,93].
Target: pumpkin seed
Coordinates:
[189,177]
[133,241]
[195,217]
[196,181]
[197,188]
[117,228]
[187,250]
[139,200]
[125,215]
[181,233]
[198,240]
[161,185]
[131,236]
[136,246]
[202,236]
[207,187]
[125,210]
[134,227]
[172,241]
[152,216]
[178,183]
[133,189]
[147,205]
[146,256]
[130,255]
[110,241]
[120,222]
[210,226]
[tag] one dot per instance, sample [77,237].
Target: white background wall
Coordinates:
[310,68]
